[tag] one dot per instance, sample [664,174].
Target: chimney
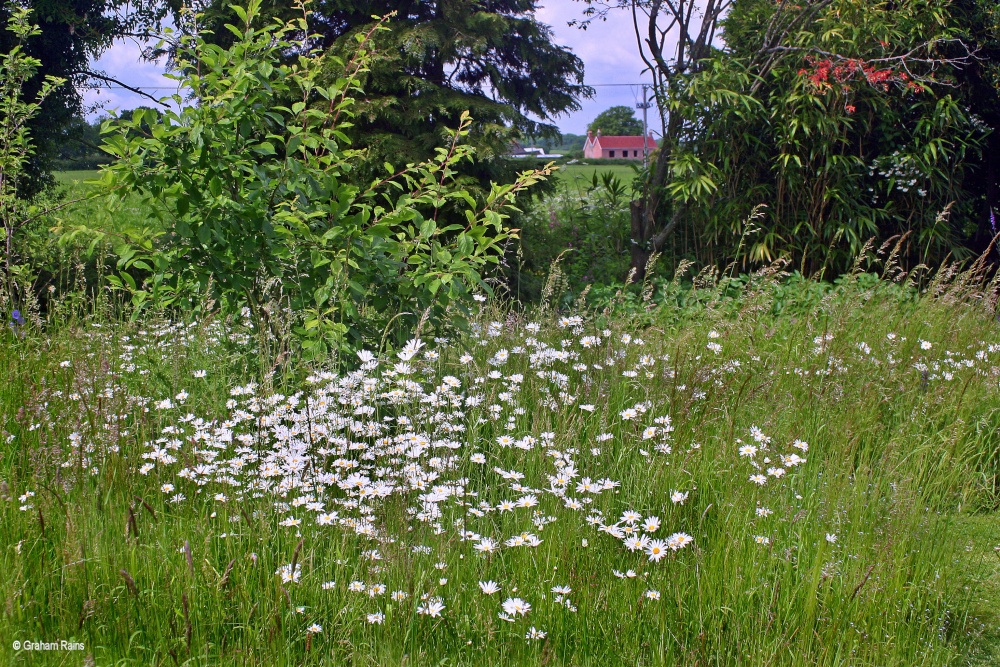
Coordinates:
[598,131]
[590,134]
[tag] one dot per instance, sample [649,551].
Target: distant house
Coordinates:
[632,148]
[518,151]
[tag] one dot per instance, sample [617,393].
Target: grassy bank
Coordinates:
[718,485]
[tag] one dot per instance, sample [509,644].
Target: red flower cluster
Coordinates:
[824,74]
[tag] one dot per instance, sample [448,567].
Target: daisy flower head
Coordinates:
[410,349]
[516,607]
[630,516]
[678,541]
[656,549]
[432,608]
[489,587]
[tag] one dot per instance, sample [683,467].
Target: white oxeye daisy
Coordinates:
[410,349]
[431,608]
[656,549]
[315,628]
[515,606]
[678,497]
[679,541]
[376,618]
[630,517]
[489,587]
[652,595]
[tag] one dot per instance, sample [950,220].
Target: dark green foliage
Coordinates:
[17,68]
[615,121]
[439,59]
[72,32]
[841,150]
[844,119]
[978,23]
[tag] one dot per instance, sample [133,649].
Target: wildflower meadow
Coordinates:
[720,485]
[313,373]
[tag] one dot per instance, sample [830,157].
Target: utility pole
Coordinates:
[644,105]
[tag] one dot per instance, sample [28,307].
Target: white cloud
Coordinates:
[124,62]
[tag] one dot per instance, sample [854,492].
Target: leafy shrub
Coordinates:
[255,179]
[586,228]
[16,69]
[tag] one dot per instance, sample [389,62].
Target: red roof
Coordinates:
[624,142]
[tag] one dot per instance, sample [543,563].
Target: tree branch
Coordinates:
[108,79]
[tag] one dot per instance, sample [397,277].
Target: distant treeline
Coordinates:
[564,143]
[80,147]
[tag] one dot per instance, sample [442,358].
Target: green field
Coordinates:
[584,173]
[74,176]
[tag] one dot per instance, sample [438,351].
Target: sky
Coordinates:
[608,50]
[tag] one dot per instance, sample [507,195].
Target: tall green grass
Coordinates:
[864,565]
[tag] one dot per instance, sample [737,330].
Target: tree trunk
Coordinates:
[641,239]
